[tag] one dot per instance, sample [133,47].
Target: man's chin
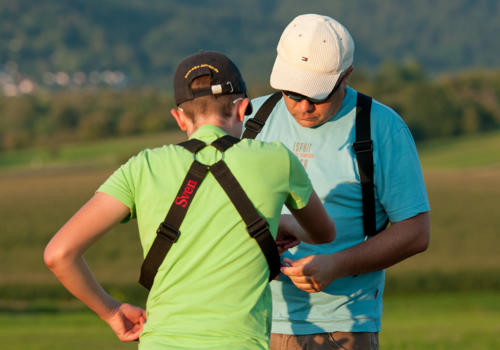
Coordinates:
[308,122]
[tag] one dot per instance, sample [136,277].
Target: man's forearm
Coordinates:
[399,241]
[396,243]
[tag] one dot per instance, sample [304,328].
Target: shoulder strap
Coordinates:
[254,125]
[225,142]
[168,231]
[192,145]
[363,148]
[257,226]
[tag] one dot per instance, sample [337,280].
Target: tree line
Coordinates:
[444,106]
[146,39]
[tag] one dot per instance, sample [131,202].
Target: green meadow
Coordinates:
[445,298]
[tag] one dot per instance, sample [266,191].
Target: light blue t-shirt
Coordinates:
[352,303]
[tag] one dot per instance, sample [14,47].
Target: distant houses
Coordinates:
[15,83]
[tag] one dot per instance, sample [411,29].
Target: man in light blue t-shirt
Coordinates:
[330,296]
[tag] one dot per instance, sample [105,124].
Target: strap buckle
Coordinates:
[168,232]
[224,88]
[362,146]
[257,127]
[258,227]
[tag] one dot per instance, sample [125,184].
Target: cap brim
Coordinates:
[315,85]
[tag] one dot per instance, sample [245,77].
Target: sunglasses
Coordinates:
[298,97]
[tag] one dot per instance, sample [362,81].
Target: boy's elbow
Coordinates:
[49,257]
[53,256]
[333,232]
[329,234]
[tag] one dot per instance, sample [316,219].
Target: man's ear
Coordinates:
[179,118]
[242,107]
[347,74]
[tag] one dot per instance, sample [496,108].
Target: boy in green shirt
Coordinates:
[211,290]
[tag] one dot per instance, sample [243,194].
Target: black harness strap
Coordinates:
[254,125]
[363,148]
[225,142]
[192,145]
[257,226]
[168,231]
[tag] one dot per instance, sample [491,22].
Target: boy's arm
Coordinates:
[310,224]
[64,256]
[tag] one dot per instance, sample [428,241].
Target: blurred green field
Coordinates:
[100,154]
[412,322]
[481,150]
[454,286]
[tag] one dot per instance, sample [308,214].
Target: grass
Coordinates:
[75,330]
[464,227]
[452,153]
[444,298]
[441,321]
[101,153]
[480,150]
[412,322]
[35,203]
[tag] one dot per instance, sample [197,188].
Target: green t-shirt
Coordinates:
[212,289]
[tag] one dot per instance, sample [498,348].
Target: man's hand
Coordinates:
[127,322]
[312,273]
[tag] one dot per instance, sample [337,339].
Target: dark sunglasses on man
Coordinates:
[298,97]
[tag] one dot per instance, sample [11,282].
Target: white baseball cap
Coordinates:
[313,52]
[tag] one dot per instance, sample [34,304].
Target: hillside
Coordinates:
[142,41]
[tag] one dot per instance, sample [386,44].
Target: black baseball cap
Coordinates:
[225,77]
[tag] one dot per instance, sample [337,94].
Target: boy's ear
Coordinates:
[179,118]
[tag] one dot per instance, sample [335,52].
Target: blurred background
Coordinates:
[86,84]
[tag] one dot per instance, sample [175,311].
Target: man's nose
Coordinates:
[306,106]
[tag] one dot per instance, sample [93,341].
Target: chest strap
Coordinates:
[168,231]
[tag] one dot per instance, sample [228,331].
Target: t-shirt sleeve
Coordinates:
[120,185]
[401,186]
[299,184]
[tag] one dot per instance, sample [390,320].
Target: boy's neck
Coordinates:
[227,124]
